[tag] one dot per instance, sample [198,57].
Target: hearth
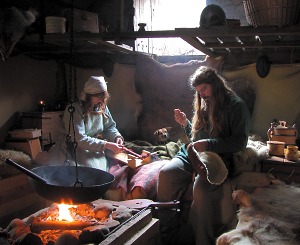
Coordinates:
[100,222]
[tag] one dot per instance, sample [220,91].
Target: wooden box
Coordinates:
[31,147]
[25,133]
[18,199]
[49,123]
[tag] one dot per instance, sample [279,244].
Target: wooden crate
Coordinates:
[18,199]
[48,122]
[31,147]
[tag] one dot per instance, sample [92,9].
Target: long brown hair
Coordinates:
[209,117]
[88,106]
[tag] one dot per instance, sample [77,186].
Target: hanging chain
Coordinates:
[70,95]
[72,70]
[72,145]
[75,84]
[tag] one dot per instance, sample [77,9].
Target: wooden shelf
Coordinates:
[238,44]
[282,169]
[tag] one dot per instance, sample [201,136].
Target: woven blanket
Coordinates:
[145,176]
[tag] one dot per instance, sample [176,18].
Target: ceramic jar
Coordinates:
[276,148]
[291,153]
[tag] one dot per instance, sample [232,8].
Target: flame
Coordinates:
[64,212]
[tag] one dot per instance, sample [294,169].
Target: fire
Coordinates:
[64,212]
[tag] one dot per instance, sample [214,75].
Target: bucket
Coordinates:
[276,148]
[55,24]
[288,135]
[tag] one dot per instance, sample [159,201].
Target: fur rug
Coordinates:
[18,157]
[270,215]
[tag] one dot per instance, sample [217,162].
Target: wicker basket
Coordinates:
[272,12]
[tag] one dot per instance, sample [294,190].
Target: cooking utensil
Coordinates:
[132,153]
[25,171]
[56,183]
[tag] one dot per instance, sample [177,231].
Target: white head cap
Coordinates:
[94,85]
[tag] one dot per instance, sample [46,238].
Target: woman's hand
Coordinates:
[114,147]
[119,141]
[180,117]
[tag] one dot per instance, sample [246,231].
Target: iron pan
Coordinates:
[60,184]
[60,180]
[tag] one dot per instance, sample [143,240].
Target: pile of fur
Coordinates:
[250,158]
[18,157]
[270,215]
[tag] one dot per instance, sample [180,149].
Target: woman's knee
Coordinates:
[137,193]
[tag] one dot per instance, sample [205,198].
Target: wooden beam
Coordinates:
[193,41]
[236,45]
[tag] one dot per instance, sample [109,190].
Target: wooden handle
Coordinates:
[25,170]
[132,152]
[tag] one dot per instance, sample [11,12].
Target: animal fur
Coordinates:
[13,25]
[17,156]
[162,135]
[270,215]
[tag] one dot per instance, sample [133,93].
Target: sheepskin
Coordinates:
[18,157]
[270,215]
[250,158]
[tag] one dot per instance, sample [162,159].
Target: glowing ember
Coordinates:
[64,212]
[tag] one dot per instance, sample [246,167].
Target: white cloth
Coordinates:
[95,85]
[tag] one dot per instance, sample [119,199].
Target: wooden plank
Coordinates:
[17,196]
[282,169]
[19,203]
[149,235]
[126,231]
[236,45]
[193,41]
[26,211]
[12,182]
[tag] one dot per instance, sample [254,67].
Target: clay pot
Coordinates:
[276,148]
[291,153]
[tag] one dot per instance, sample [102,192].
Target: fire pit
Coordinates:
[99,222]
